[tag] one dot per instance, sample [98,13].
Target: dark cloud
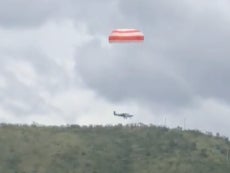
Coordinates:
[185,55]
[130,72]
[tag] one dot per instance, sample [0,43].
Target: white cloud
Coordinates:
[23,71]
[3,82]
[212,115]
[6,116]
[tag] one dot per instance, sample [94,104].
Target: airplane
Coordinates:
[124,115]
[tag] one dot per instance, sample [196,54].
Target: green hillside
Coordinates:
[134,148]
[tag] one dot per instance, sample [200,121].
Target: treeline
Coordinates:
[136,148]
[110,126]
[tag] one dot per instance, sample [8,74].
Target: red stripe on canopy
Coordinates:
[126,35]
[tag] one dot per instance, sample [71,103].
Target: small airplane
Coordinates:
[124,115]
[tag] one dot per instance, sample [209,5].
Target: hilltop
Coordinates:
[134,148]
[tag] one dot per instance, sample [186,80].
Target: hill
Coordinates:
[134,148]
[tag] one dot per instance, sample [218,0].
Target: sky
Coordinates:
[57,66]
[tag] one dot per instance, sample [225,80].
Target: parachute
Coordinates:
[126,36]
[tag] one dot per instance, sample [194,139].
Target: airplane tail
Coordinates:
[114,113]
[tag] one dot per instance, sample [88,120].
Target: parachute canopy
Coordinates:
[126,36]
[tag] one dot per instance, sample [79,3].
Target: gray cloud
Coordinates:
[27,13]
[131,73]
[181,65]
[180,37]
[185,55]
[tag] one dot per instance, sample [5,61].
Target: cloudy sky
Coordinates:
[57,67]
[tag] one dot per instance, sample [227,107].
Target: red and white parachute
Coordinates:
[126,36]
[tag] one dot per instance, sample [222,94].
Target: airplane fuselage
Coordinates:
[124,115]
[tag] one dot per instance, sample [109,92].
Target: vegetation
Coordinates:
[134,148]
